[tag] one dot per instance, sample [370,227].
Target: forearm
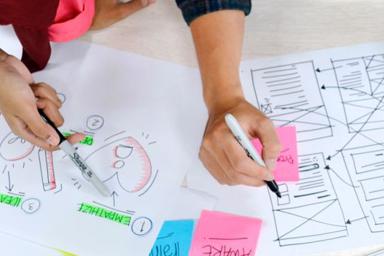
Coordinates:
[218,38]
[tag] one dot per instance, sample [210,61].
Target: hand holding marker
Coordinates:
[242,138]
[87,172]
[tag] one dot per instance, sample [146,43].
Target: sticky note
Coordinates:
[221,234]
[174,238]
[287,163]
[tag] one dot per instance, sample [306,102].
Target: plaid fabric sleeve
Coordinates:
[193,9]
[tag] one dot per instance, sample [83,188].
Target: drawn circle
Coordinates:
[62,97]
[118,164]
[14,148]
[95,122]
[141,226]
[31,205]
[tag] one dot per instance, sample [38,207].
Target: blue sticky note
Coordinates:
[174,239]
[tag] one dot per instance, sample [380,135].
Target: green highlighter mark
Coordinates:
[10,200]
[88,140]
[64,253]
[105,214]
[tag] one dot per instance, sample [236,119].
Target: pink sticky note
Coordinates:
[220,234]
[287,166]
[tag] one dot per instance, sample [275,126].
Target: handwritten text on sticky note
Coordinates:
[287,165]
[221,234]
[174,238]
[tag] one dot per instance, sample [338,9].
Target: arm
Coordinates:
[19,99]
[218,38]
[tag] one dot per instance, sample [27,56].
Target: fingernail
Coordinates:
[270,164]
[53,140]
[269,176]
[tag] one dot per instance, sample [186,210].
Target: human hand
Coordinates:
[223,156]
[109,12]
[20,98]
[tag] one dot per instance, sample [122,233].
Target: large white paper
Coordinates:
[14,246]
[137,110]
[335,98]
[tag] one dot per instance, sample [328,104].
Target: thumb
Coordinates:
[271,145]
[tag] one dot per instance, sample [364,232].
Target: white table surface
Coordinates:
[275,27]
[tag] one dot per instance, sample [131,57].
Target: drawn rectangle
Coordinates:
[366,172]
[373,188]
[290,95]
[361,87]
[368,161]
[313,213]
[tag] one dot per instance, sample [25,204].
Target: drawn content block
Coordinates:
[361,87]
[309,211]
[290,95]
[366,170]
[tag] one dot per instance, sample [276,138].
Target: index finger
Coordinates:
[266,133]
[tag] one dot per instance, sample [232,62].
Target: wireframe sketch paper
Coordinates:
[286,163]
[334,98]
[134,109]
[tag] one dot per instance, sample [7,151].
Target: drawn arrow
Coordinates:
[318,70]
[114,195]
[323,87]
[338,176]
[10,186]
[357,132]
[349,221]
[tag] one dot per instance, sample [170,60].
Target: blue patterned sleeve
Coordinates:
[193,9]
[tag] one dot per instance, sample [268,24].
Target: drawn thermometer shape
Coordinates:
[47,170]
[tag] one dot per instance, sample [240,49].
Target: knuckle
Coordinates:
[264,123]
[60,122]
[207,142]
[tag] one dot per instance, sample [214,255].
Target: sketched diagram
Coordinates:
[290,95]
[15,151]
[361,87]
[123,159]
[365,166]
[309,211]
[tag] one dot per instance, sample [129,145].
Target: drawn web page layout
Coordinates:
[140,148]
[335,99]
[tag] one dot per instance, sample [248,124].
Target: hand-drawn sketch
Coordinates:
[365,166]
[15,150]
[361,87]
[290,95]
[308,211]
[126,162]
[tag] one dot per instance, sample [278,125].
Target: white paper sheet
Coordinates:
[13,246]
[335,98]
[137,110]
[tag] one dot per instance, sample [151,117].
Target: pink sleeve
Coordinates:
[73,19]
